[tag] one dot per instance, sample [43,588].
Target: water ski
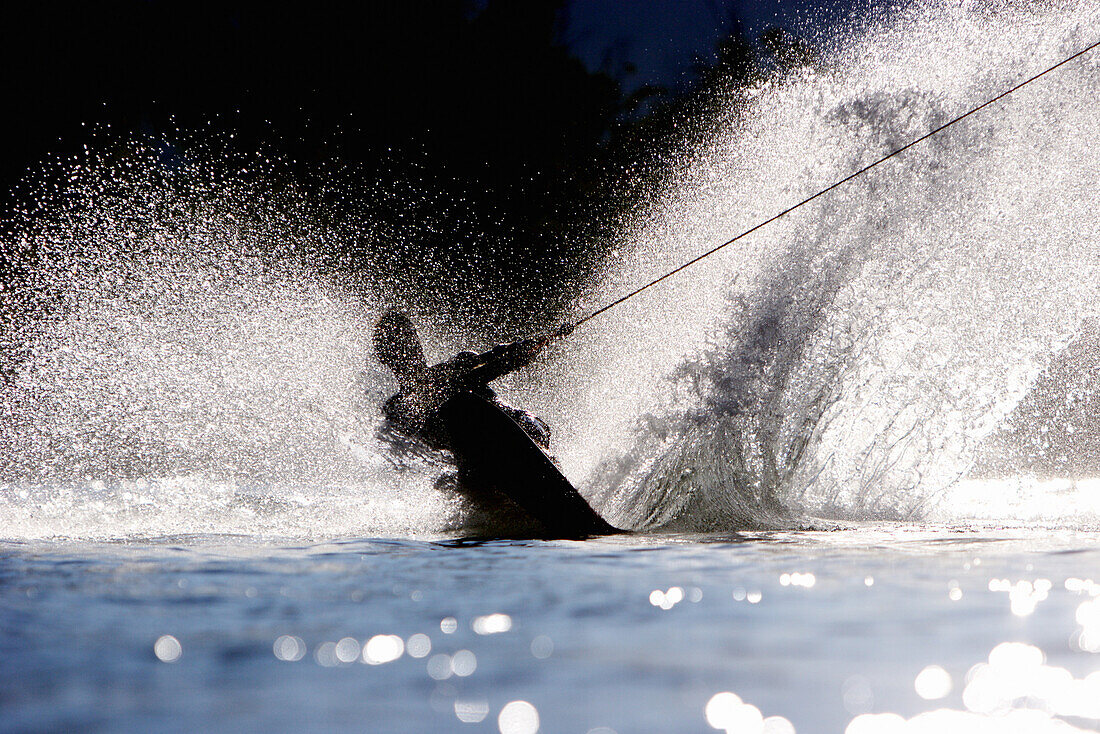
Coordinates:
[494,453]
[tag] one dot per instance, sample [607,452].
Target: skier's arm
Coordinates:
[504,358]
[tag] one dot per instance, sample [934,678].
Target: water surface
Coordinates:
[631,633]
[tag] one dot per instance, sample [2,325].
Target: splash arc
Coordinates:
[566,329]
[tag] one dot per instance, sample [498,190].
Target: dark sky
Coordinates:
[66,67]
[661,37]
[472,135]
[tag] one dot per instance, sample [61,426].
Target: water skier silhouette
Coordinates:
[498,449]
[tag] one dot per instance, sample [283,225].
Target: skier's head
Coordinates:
[397,345]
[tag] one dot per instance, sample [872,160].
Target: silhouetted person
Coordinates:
[423,390]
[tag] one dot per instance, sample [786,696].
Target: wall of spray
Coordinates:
[849,360]
[186,373]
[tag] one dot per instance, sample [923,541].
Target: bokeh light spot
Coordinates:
[727,711]
[167,649]
[492,624]
[463,663]
[418,645]
[932,683]
[470,711]
[876,724]
[439,667]
[347,650]
[289,648]
[325,655]
[542,647]
[383,649]
[778,725]
[518,717]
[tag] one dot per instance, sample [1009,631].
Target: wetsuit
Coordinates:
[414,410]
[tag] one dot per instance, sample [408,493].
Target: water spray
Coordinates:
[566,329]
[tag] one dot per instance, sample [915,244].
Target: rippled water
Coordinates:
[631,633]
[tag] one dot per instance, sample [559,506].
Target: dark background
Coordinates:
[505,135]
